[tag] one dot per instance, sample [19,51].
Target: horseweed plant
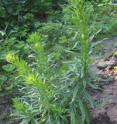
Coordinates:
[51,99]
[34,79]
[80,15]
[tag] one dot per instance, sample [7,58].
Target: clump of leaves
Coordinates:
[36,79]
[56,98]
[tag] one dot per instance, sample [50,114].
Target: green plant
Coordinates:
[38,80]
[104,21]
[61,97]
[81,20]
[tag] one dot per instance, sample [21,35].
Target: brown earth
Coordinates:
[105,111]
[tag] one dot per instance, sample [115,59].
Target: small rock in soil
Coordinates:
[102,65]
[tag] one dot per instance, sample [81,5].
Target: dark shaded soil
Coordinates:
[102,119]
[5,108]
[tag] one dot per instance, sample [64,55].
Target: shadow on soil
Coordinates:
[102,119]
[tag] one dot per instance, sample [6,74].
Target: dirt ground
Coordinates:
[105,111]
[5,103]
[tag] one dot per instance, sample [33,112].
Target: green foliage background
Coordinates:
[60,44]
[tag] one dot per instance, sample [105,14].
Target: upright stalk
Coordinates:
[80,18]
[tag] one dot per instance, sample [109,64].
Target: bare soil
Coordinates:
[5,103]
[6,108]
[105,111]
